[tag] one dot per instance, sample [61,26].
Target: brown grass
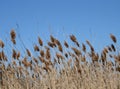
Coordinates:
[68,67]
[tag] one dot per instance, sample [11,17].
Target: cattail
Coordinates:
[66,44]
[42,53]
[103,57]
[1,44]
[118,69]
[113,47]
[83,47]
[3,56]
[27,64]
[18,55]
[117,58]
[57,42]
[95,57]
[59,56]
[51,44]
[36,48]
[48,56]
[40,41]
[88,43]
[73,38]
[105,50]
[60,48]
[20,68]
[45,69]
[35,60]
[13,34]
[69,62]
[77,52]
[28,52]
[91,47]
[41,59]
[47,48]
[52,38]
[110,63]
[14,63]
[113,38]
[83,59]
[14,54]
[24,59]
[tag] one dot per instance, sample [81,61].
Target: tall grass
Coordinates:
[60,65]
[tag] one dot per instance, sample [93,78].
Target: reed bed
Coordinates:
[57,65]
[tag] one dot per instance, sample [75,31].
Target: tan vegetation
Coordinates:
[57,66]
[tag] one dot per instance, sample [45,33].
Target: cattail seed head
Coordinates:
[52,38]
[60,48]
[48,56]
[66,44]
[1,44]
[36,48]
[40,41]
[73,38]
[13,34]
[42,53]
[59,56]
[57,42]
[14,54]
[83,47]
[51,44]
[28,52]
[76,51]
[113,38]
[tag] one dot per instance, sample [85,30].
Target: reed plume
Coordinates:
[113,38]
[1,44]
[13,36]
[73,38]
[83,47]
[40,41]
[36,48]
[14,54]
[66,44]
[77,52]
[28,52]
[42,53]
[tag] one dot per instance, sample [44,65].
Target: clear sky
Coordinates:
[87,19]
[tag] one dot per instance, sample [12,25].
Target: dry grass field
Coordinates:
[58,65]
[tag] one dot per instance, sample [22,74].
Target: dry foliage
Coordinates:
[68,67]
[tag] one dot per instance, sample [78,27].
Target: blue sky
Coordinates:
[87,19]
